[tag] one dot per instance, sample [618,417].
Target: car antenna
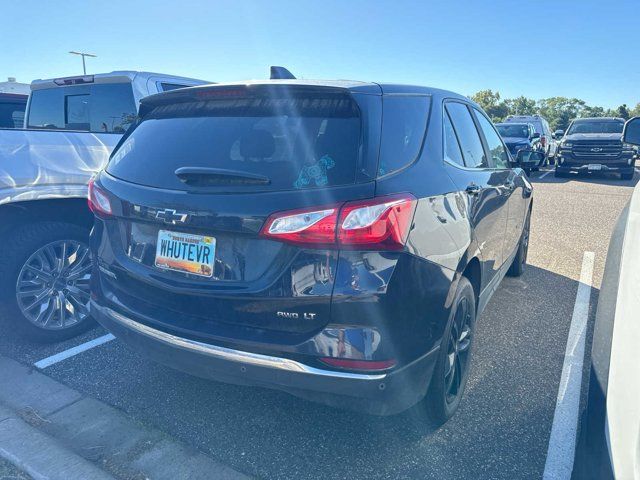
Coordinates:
[281,73]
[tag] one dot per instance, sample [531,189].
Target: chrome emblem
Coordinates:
[171,216]
[596,149]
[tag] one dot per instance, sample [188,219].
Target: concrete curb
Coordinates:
[41,456]
[91,437]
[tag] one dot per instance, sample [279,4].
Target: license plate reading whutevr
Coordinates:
[184,252]
[595,166]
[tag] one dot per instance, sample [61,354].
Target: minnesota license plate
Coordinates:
[184,252]
[595,166]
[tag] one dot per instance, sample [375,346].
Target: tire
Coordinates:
[520,260]
[62,284]
[626,176]
[451,373]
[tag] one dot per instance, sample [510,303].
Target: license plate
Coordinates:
[184,252]
[595,166]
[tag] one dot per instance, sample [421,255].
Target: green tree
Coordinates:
[491,103]
[593,112]
[636,111]
[623,112]
[559,111]
[521,106]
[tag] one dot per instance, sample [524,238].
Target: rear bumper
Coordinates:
[376,393]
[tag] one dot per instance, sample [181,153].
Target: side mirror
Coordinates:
[558,134]
[535,135]
[528,159]
[631,132]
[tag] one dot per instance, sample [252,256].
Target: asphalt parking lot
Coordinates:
[502,429]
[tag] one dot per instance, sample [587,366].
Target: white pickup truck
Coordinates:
[71,126]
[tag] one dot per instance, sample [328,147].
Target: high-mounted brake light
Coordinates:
[98,201]
[381,223]
[74,80]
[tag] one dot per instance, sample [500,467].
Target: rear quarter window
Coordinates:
[404,123]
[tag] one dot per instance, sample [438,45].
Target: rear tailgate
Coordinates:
[313,154]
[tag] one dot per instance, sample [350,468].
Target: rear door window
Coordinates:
[288,143]
[498,156]
[404,123]
[98,108]
[452,152]
[472,149]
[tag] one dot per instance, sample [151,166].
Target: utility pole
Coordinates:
[82,54]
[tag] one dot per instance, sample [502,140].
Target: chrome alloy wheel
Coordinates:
[52,289]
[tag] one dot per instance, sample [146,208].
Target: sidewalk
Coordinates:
[50,431]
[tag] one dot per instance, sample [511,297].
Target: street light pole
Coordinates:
[82,54]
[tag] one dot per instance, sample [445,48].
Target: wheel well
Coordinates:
[473,273]
[70,210]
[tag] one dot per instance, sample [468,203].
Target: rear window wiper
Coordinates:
[207,176]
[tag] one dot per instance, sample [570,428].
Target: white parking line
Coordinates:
[83,347]
[545,174]
[562,442]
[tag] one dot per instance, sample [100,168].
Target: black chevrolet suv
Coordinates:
[595,145]
[335,240]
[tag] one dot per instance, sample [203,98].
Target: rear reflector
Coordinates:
[381,223]
[368,365]
[98,201]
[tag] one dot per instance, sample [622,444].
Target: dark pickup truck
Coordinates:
[595,145]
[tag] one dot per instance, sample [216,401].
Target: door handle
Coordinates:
[473,189]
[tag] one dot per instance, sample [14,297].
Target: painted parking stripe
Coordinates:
[58,357]
[562,442]
[545,174]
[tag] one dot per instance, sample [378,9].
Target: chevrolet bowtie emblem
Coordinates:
[171,216]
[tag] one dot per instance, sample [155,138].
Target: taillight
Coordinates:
[368,365]
[98,201]
[381,223]
[304,226]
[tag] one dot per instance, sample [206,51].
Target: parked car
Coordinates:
[72,125]
[541,125]
[286,234]
[12,107]
[610,424]
[595,145]
[520,136]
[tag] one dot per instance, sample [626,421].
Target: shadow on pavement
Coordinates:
[500,431]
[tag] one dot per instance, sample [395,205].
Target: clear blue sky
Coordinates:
[584,48]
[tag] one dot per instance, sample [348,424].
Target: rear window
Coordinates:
[98,108]
[292,143]
[404,122]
